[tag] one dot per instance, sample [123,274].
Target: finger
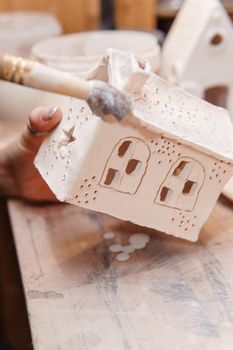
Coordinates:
[41,121]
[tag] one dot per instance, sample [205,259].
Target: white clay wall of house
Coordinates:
[150,171]
[136,199]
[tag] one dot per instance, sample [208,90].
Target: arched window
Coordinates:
[182,185]
[218,95]
[126,166]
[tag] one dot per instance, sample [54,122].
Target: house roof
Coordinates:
[194,17]
[166,109]
[181,115]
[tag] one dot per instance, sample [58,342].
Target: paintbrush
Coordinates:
[102,98]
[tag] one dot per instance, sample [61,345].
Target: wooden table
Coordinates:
[172,295]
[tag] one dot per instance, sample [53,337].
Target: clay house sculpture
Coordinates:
[162,168]
[198,52]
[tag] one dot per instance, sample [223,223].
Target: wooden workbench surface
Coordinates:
[172,295]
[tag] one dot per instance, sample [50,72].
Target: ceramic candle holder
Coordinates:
[198,52]
[164,167]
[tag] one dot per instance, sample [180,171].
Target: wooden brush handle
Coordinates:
[39,76]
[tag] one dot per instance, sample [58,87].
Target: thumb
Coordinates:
[41,121]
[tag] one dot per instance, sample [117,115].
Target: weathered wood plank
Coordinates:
[74,15]
[14,328]
[135,14]
[172,295]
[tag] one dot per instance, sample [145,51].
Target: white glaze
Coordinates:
[109,235]
[129,248]
[139,240]
[115,248]
[122,257]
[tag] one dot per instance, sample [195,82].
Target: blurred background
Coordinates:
[81,15]
[69,16]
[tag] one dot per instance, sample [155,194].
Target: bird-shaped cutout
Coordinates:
[68,137]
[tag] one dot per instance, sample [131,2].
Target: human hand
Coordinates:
[18,175]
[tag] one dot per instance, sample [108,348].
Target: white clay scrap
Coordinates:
[128,249]
[115,248]
[139,240]
[122,257]
[165,170]
[109,235]
[198,52]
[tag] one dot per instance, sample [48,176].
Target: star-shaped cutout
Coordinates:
[68,137]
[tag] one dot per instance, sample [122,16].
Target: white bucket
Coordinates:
[78,53]
[19,31]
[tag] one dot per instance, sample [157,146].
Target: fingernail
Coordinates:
[49,113]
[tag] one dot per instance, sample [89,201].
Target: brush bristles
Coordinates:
[105,100]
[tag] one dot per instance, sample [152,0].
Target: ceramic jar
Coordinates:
[20,30]
[82,51]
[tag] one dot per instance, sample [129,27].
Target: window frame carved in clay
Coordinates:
[126,166]
[181,187]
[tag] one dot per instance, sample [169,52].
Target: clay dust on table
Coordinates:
[137,241]
[109,235]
